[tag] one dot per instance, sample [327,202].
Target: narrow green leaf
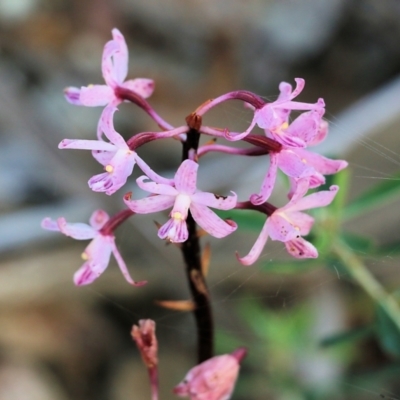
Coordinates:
[375,197]
[348,336]
[388,333]
[358,243]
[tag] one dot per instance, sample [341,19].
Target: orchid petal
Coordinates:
[72,95]
[98,257]
[210,221]
[86,145]
[123,267]
[302,186]
[246,132]
[50,225]
[156,188]
[175,230]
[151,174]
[257,248]
[186,177]
[142,86]
[96,95]
[305,126]
[107,64]
[106,125]
[98,219]
[300,248]
[215,201]
[303,222]
[120,57]
[77,231]
[103,157]
[268,183]
[280,228]
[292,165]
[320,163]
[321,134]
[150,204]
[314,200]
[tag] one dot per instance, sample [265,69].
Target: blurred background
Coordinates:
[312,330]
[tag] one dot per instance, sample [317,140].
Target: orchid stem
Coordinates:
[197,283]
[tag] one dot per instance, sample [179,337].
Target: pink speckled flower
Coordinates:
[183,196]
[116,156]
[213,379]
[115,69]
[287,224]
[97,253]
[296,162]
[273,116]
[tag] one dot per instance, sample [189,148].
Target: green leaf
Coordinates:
[375,197]
[348,336]
[388,333]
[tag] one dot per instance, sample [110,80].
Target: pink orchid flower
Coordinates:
[183,196]
[213,379]
[115,69]
[298,163]
[116,156]
[273,116]
[97,253]
[287,224]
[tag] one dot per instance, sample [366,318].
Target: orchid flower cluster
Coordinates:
[285,140]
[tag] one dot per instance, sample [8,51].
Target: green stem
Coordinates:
[360,273]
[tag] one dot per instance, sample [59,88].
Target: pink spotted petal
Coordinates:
[77,230]
[174,230]
[257,248]
[280,228]
[120,57]
[305,126]
[284,137]
[300,248]
[215,201]
[106,125]
[96,95]
[142,86]
[150,204]
[302,221]
[321,134]
[323,165]
[107,64]
[314,180]
[98,219]
[72,95]
[186,177]
[314,200]
[156,188]
[268,183]
[302,186]
[292,165]
[123,267]
[98,257]
[86,145]
[210,221]
[103,157]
